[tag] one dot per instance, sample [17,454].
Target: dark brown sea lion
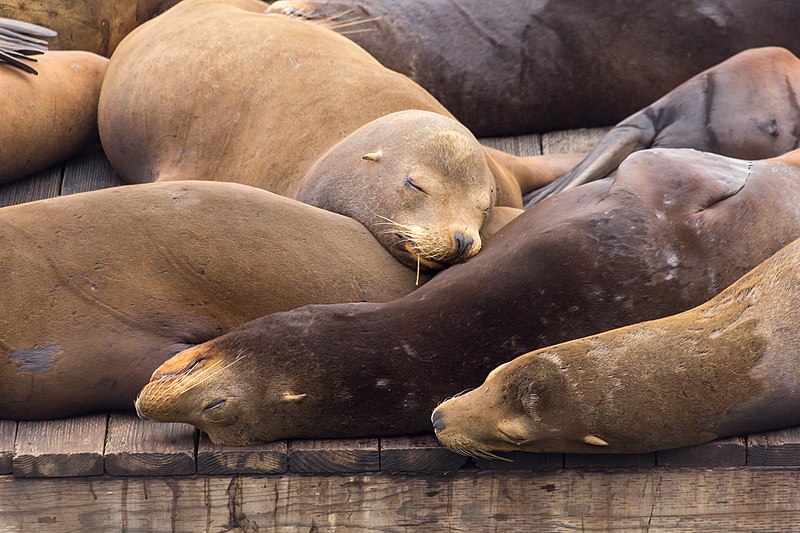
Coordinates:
[49,117]
[218,90]
[728,367]
[93,25]
[662,237]
[100,288]
[746,107]
[511,67]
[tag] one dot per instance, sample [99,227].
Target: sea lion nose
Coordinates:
[438,421]
[463,243]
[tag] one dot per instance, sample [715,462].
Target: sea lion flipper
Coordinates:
[26,29]
[18,40]
[631,135]
[11,60]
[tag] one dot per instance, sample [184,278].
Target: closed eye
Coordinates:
[410,184]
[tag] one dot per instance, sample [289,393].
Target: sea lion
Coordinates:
[102,287]
[512,67]
[661,238]
[91,25]
[747,107]
[218,90]
[728,367]
[49,117]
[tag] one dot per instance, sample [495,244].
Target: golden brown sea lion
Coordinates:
[509,67]
[746,107]
[49,117]
[100,288]
[664,236]
[728,367]
[93,25]
[218,90]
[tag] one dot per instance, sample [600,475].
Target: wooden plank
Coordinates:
[8,432]
[59,448]
[723,452]
[45,184]
[581,140]
[420,453]
[566,501]
[522,461]
[89,173]
[776,448]
[603,460]
[269,458]
[136,447]
[332,456]
[523,145]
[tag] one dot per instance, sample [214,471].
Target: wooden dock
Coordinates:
[114,472]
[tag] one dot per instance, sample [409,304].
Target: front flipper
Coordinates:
[632,134]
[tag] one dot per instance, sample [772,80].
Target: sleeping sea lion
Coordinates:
[49,117]
[746,107]
[662,237]
[510,67]
[218,90]
[100,288]
[728,367]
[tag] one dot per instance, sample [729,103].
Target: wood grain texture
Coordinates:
[333,456]
[270,458]
[420,453]
[598,460]
[8,432]
[45,184]
[565,501]
[723,452]
[524,145]
[522,461]
[136,447]
[581,140]
[776,448]
[60,448]
[89,173]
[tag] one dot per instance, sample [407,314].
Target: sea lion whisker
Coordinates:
[352,22]
[214,374]
[353,32]
[166,388]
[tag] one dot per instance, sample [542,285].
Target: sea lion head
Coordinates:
[417,180]
[528,404]
[222,389]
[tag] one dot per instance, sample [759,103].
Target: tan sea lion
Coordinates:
[100,288]
[746,107]
[92,25]
[49,117]
[510,67]
[728,367]
[218,90]
[664,236]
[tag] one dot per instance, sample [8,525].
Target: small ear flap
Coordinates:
[288,397]
[373,156]
[594,440]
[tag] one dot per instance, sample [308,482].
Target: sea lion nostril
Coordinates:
[463,243]
[438,421]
